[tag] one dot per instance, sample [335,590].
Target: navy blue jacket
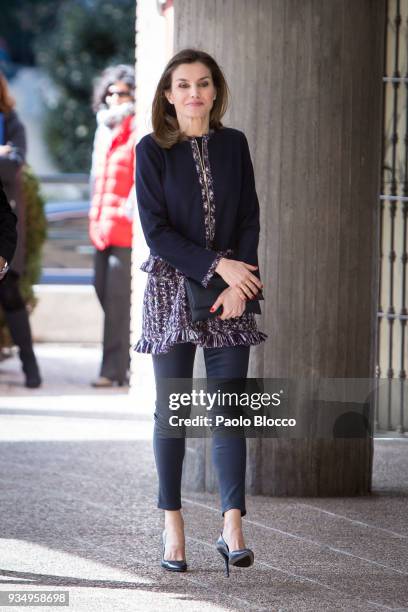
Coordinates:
[170,202]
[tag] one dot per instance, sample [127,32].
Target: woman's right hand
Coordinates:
[238,274]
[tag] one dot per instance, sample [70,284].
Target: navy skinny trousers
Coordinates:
[228,451]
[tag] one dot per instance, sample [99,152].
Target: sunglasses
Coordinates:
[120,94]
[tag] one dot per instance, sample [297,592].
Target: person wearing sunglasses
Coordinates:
[110,216]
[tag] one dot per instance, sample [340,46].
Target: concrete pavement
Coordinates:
[78,513]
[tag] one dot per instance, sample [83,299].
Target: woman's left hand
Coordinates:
[233,305]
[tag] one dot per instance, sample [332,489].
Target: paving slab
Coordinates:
[78,513]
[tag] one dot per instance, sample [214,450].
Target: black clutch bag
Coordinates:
[202,298]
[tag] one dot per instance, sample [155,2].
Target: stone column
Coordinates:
[306,83]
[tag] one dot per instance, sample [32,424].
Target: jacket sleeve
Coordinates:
[11,163]
[189,258]
[248,212]
[8,233]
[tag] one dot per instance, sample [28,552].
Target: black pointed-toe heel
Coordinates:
[244,557]
[172,566]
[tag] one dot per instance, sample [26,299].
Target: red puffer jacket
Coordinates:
[113,176]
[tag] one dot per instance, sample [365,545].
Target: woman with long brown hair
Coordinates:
[12,158]
[200,216]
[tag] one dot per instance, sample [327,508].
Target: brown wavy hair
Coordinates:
[166,129]
[7,103]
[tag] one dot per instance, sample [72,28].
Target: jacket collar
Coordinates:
[206,136]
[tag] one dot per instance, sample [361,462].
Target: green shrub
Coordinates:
[36,228]
[88,36]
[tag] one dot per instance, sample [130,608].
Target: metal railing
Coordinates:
[392,350]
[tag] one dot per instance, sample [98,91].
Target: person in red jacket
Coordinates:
[110,215]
